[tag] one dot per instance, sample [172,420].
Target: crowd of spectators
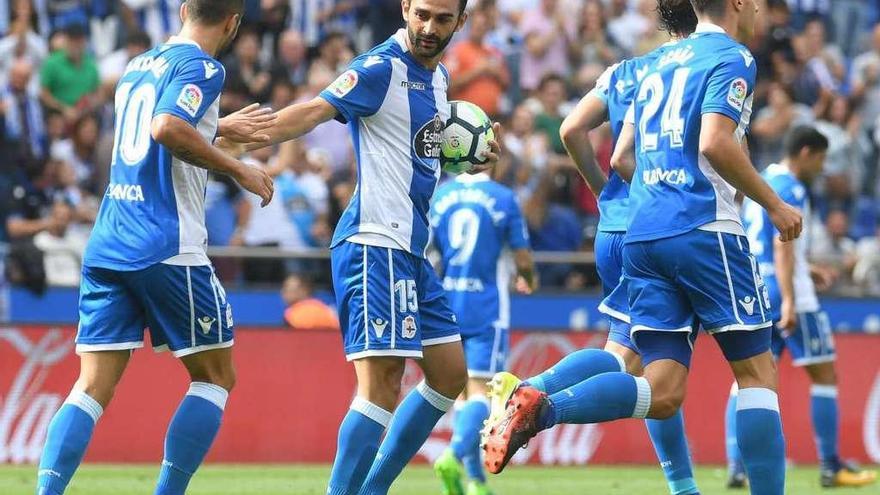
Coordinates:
[526,62]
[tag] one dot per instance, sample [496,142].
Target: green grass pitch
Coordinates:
[219,479]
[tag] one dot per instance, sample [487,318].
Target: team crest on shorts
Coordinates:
[409,327]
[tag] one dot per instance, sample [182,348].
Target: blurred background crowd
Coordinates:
[526,62]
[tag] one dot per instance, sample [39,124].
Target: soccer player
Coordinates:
[145,264]
[477,223]
[608,102]
[391,302]
[800,324]
[685,254]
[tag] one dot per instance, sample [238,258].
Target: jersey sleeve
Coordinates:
[603,84]
[192,89]
[630,116]
[360,90]
[794,194]
[517,233]
[730,84]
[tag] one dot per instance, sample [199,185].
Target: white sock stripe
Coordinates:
[85,402]
[734,389]
[371,411]
[435,398]
[643,399]
[827,391]
[757,398]
[214,394]
[620,361]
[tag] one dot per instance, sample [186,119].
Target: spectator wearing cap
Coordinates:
[477,72]
[65,13]
[69,77]
[304,311]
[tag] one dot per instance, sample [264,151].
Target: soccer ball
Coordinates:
[465,138]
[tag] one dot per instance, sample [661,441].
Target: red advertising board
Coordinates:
[294,388]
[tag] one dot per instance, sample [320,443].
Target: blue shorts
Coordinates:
[391,303]
[698,278]
[184,307]
[485,350]
[811,342]
[609,263]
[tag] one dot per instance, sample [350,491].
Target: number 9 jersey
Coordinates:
[675,189]
[154,207]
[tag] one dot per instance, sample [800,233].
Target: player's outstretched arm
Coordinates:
[724,152]
[185,143]
[590,113]
[623,160]
[296,120]
[783,261]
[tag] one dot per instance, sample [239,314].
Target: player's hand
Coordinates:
[788,321]
[248,124]
[523,286]
[232,148]
[257,181]
[788,220]
[494,153]
[824,277]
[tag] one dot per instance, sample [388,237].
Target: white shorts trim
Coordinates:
[199,348]
[828,358]
[119,346]
[638,328]
[383,352]
[612,312]
[736,327]
[480,374]
[441,340]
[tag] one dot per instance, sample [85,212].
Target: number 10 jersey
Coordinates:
[154,207]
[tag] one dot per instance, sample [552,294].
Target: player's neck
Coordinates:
[207,41]
[792,167]
[727,23]
[428,63]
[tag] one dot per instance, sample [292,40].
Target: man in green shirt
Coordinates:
[69,76]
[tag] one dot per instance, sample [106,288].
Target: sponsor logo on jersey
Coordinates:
[125,192]
[409,327]
[674,177]
[463,284]
[210,69]
[344,83]
[428,139]
[415,86]
[736,95]
[206,322]
[379,326]
[190,99]
[748,304]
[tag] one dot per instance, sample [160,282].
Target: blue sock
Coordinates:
[412,423]
[69,434]
[671,447]
[759,436]
[734,458]
[190,434]
[823,406]
[575,368]
[466,436]
[604,397]
[359,436]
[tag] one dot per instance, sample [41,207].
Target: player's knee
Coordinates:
[451,383]
[101,392]
[221,376]
[822,374]
[665,405]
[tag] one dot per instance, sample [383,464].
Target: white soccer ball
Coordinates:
[465,138]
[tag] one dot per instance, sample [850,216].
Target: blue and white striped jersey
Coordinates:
[395,109]
[616,88]
[475,222]
[761,232]
[154,207]
[675,189]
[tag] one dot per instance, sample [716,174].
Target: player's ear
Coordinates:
[183,13]
[232,23]
[404,8]
[461,20]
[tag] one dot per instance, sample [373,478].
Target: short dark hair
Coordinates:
[805,136]
[677,17]
[550,78]
[213,12]
[711,7]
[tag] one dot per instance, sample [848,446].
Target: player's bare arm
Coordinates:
[292,122]
[526,281]
[185,143]
[783,261]
[720,146]
[623,160]
[247,124]
[589,114]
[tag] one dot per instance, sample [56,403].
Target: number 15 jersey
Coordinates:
[154,207]
[675,189]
